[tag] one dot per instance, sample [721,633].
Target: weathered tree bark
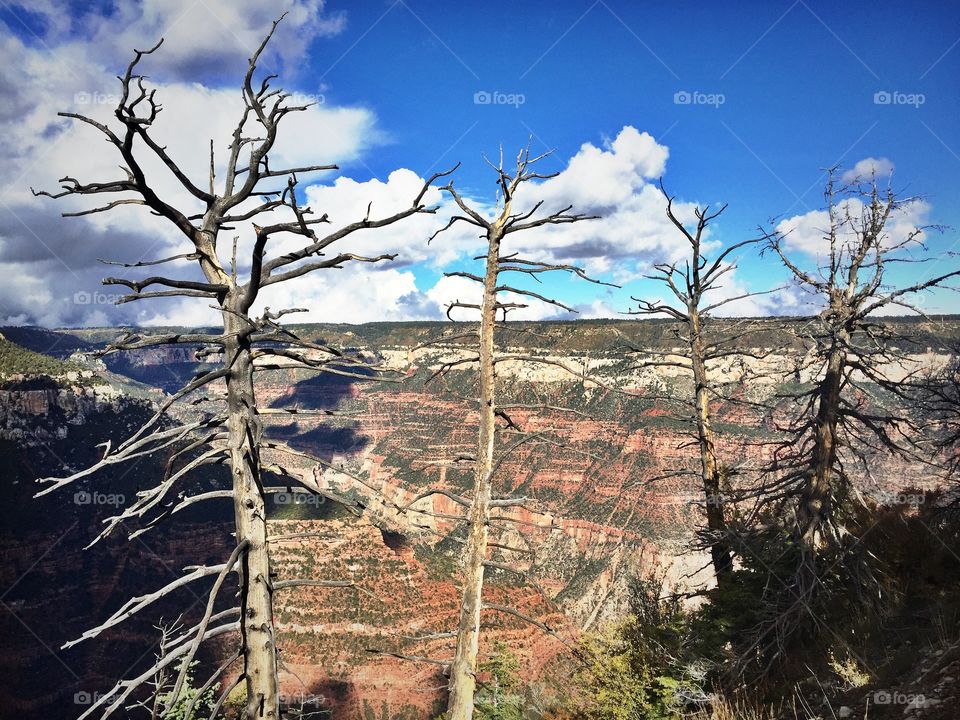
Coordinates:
[816,498]
[256,592]
[720,551]
[464,666]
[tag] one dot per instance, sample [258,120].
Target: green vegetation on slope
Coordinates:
[17,360]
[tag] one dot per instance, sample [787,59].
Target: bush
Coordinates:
[201,707]
[497,697]
[650,666]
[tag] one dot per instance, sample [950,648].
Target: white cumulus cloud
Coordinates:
[809,232]
[868,169]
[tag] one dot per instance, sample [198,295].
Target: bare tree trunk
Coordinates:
[245,430]
[816,499]
[720,550]
[463,669]
[464,665]
[693,283]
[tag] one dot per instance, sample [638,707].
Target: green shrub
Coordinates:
[201,708]
[498,698]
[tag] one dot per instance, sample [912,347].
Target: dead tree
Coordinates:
[497,300]
[234,435]
[694,283]
[854,403]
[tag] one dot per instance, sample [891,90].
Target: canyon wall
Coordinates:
[607,488]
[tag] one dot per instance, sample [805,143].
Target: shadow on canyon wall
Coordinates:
[52,590]
[323,437]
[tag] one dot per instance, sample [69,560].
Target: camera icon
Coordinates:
[82,98]
[682,97]
[882,697]
[82,698]
[82,298]
[82,497]
[482,97]
[284,498]
[882,97]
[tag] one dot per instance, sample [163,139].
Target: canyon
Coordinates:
[608,496]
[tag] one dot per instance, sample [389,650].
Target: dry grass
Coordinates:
[737,709]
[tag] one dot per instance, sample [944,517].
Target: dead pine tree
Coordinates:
[855,400]
[497,300]
[696,284]
[233,435]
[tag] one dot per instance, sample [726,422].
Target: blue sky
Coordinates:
[781,90]
[797,79]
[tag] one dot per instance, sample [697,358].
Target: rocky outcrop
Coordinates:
[42,409]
